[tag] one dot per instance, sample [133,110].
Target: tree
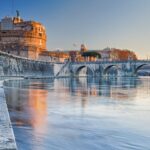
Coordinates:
[91,54]
[118,54]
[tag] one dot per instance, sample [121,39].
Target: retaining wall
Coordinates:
[7,139]
[11,65]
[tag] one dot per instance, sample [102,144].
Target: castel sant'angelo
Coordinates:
[22,38]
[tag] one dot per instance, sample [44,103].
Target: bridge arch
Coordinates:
[139,67]
[109,67]
[77,71]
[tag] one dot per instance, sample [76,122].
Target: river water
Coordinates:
[80,113]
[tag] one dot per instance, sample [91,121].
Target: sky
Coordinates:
[123,24]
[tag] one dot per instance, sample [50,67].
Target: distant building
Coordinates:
[23,38]
[105,53]
[53,56]
[83,48]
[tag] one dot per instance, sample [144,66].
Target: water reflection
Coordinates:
[99,86]
[37,102]
[30,103]
[80,113]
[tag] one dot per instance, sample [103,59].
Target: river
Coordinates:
[80,113]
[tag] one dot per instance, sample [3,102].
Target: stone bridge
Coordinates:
[11,65]
[103,68]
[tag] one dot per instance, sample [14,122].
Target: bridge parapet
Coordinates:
[110,62]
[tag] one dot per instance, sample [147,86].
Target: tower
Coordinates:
[83,48]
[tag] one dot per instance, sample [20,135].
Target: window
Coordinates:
[40,34]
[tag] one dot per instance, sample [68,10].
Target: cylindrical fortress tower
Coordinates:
[23,38]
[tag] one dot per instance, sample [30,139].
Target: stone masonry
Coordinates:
[7,139]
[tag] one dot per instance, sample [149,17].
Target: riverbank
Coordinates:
[7,138]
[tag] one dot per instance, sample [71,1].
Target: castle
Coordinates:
[22,38]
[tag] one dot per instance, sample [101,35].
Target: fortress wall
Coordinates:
[11,65]
[57,67]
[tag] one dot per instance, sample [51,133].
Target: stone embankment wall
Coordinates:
[7,139]
[11,65]
[62,69]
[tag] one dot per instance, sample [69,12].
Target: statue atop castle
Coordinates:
[18,14]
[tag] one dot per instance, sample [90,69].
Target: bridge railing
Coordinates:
[113,61]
